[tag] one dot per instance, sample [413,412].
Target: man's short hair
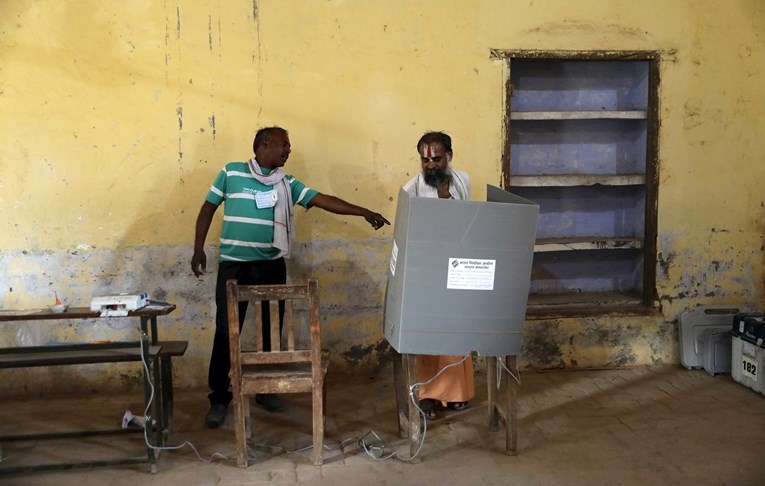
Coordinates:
[437,137]
[264,134]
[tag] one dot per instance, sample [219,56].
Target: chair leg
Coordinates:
[241,438]
[324,393]
[318,424]
[247,417]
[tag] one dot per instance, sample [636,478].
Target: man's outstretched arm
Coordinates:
[338,206]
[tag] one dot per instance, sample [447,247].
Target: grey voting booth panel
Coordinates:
[459,274]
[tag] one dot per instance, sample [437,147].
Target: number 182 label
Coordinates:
[748,367]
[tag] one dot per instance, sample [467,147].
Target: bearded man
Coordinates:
[454,387]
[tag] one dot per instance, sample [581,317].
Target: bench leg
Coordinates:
[159,412]
[166,366]
[150,364]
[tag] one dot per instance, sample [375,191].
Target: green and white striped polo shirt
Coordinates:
[248,231]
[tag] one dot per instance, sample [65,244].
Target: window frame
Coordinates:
[649,303]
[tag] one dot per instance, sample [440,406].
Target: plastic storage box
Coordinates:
[695,327]
[748,364]
[750,327]
[717,352]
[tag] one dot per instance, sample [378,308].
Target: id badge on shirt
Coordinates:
[265,200]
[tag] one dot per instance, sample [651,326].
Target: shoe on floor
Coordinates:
[216,416]
[458,406]
[270,402]
[430,409]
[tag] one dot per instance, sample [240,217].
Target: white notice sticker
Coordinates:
[749,367]
[393,257]
[471,274]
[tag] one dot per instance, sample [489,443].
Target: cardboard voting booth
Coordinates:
[459,274]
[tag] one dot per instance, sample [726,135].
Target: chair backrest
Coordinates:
[270,295]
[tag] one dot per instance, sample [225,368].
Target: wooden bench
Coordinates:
[72,354]
[156,354]
[79,354]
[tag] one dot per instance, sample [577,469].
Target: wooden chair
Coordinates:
[280,370]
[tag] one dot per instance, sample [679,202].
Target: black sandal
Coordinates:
[458,406]
[428,407]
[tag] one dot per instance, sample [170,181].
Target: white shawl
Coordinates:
[284,226]
[459,186]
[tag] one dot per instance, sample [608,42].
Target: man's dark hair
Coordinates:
[437,137]
[265,134]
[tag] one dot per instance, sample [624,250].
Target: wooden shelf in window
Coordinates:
[586,243]
[584,298]
[572,180]
[577,304]
[579,115]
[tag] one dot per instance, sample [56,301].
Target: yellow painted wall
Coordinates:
[116,116]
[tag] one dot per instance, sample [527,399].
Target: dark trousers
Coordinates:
[261,272]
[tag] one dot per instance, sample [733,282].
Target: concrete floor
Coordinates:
[637,426]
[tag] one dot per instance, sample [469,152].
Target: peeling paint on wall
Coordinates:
[698,279]
[587,343]
[150,100]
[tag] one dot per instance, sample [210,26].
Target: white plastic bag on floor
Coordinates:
[129,420]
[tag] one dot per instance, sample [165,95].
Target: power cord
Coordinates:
[499,372]
[375,451]
[150,421]
[370,450]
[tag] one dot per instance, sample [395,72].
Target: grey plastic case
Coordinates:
[459,274]
[748,364]
[717,352]
[693,326]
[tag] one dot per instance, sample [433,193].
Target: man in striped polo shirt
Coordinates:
[255,238]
